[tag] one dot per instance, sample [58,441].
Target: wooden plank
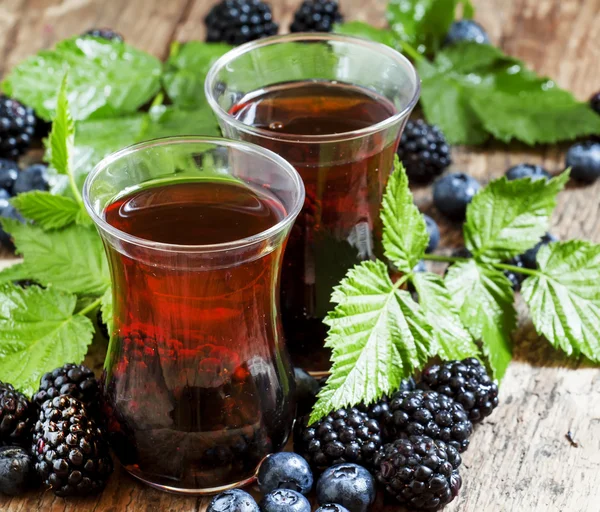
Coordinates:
[520,458]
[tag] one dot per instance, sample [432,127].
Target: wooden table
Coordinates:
[520,459]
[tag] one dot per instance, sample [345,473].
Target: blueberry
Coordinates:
[453,192]
[349,485]
[285,471]
[535,172]
[8,174]
[307,388]
[7,210]
[16,471]
[466,30]
[34,177]
[284,500]
[529,257]
[332,507]
[434,233]
[234,500]
[584,160]
[595,102]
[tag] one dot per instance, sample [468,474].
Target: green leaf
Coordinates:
[186,70]
[39,332]
[452,340]
[16,272]
[378,335]
[484,298]
[564,297]
[97,138]
[405,235]
[423,23]
[71,259]
[366,31]
[49,211]
[508,217]
[62,135]
[106,78]
[106,308]
[474,91]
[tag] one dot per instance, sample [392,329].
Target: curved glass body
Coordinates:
[334,107]
[198,386]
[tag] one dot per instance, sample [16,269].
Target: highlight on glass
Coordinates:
[197,383]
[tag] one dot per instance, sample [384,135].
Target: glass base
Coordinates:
[189,492]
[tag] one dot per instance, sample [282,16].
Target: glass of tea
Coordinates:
[334,107]
[197,383]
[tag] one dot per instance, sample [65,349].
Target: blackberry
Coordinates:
[316,16]
[104,33]
[345,435]
[17,127]
[381,408]
[427,413]
[419,472]
[16,416]
[34,177]
[74,380]
[595,102]
[239,21]
[16,471]
[466,30]
[8,174]
[467,383]
[424,151]
[535,172]
[69,450]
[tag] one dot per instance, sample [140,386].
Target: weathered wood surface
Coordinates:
[520,460]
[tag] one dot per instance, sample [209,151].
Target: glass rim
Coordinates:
[246,147]
[237,52]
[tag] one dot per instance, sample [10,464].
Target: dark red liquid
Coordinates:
[344,179]
[197,383]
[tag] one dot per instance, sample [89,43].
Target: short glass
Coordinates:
[197,383]
[342,146]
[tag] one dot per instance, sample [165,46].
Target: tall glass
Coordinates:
[197,381]
[342,146]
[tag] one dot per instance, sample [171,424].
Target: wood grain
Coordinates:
[520,459]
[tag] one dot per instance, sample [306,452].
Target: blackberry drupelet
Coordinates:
[104,33]
[419,472]
[75,380]
[427,413]
[17,127]
[239,21]
[467,383]
[69,450]
[345,435]
[316,16]
[424,151]
[16,416]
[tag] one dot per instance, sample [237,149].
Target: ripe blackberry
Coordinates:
[104,33]
[381,408]
[239,21]
[345,435]
[17,127]
[419,472]
[316,16]
[74,380]
[69,450]
[424,151]
[416,413]
[467,383]
[16,416]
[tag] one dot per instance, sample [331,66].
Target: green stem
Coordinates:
[74,188]
[90,307]
[514,268]
[445,259]
[411,52]
[402,280]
